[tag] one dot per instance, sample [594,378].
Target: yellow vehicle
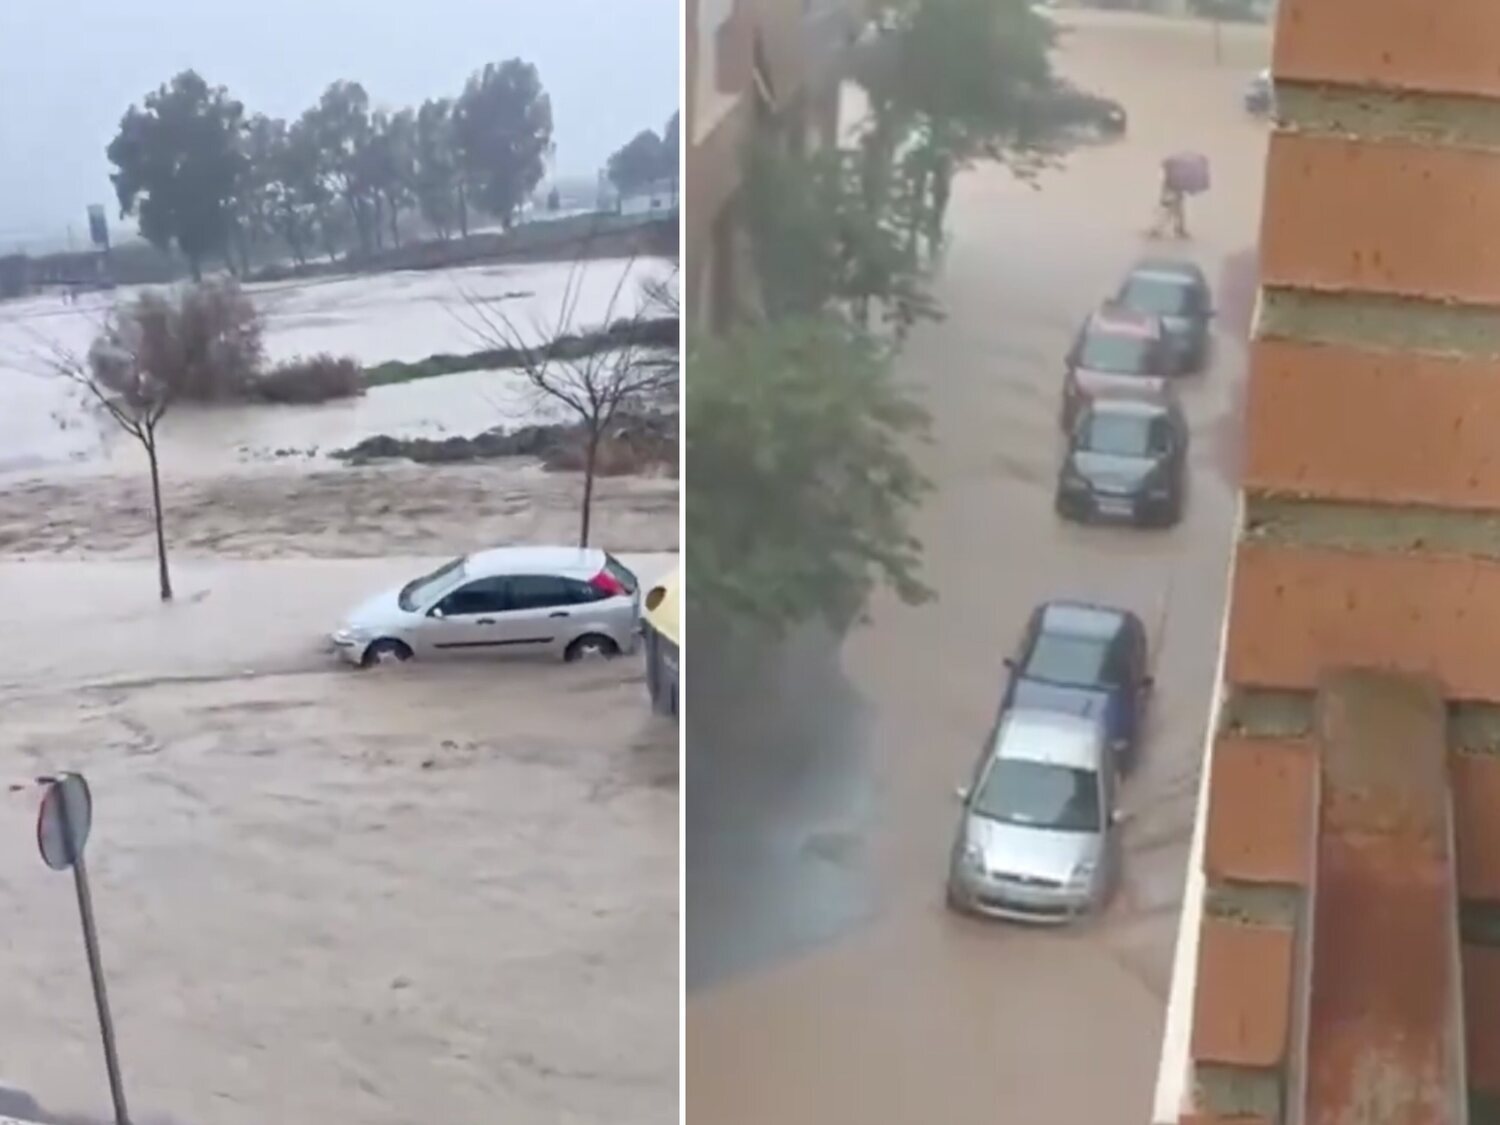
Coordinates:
[662,628]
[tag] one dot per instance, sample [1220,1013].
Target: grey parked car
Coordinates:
[1038,838]
[556,601]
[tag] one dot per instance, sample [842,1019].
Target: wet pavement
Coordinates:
[827,980]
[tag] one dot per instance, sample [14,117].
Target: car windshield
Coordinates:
[415,594]
[1164,296]
[1122,435]
[1039,795]
[1068,659]
[1115,352]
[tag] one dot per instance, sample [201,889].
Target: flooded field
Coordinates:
[406,316]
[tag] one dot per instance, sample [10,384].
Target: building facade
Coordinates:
[1340,952]
[751,65]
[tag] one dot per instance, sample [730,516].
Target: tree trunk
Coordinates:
[590,462]
[195,268]
[395,227]
[164,575]
[463,210]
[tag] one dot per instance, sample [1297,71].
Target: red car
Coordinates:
[1118,352]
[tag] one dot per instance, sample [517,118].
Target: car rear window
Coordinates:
[621,574]
[1115,353]
[1069,660]
[1164,296]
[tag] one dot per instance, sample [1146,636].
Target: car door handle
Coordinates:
[559,613]
[485,621]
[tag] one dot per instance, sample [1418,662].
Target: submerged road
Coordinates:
[827,981]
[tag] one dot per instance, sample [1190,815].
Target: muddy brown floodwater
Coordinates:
[828,982]
[429,893]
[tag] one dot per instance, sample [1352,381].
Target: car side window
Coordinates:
[1118,663]
[539,591]
[581,593]
[483,595]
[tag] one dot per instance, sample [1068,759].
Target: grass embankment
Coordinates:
[658,332]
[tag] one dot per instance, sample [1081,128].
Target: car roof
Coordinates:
[1053,738]
[1141,406]
[1117,320]
[1168,269]
[533,560]
[1082,619]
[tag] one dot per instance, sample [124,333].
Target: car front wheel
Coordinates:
[591,645]
[386,651]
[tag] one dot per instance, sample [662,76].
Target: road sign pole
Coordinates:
[96,970]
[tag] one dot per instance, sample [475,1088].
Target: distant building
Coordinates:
[661,197]
[769,68]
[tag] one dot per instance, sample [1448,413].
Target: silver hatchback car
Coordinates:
[1038,839]
[558,601]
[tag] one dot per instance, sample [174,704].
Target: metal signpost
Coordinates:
[62,829]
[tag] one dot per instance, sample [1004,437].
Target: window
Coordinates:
[1125,435]
[539,591]
[1115,353]
[1068,659]
[581,593]
[1164,296]
[1039,795]
[484,595]
[415,595]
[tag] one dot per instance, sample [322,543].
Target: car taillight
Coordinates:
[608,585]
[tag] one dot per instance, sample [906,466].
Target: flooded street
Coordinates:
[828,981]
[437,892]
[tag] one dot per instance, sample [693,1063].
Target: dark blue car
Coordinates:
[1087,660]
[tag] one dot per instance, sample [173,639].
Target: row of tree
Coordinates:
[799,436]
[647,158]
[213,182]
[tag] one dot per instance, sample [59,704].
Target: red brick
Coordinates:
[1425,433]
[1446,47]
[1242,1006]
[1260,807]
[1476,828]
[1382,216]
[1482,1017]
[1295,611]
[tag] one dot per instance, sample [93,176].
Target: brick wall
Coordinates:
[1371,539]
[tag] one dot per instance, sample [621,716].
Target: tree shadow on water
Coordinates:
[778,799]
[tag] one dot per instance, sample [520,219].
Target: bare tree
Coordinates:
[203,345]
[594,385]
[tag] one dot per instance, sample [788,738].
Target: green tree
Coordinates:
[391,167]
[179,166]
[439,185]
[802,483]
[637,163]
[341,127]
[503,123]
[297,200]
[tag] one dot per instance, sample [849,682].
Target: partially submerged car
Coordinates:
[1118,353]
[1088,660]
[1127,462]
[1177,292]
[566,602]
[1038,837]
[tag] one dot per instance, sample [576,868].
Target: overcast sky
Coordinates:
[69,69]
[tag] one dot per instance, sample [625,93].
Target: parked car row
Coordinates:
[1038,839]
[1126,458]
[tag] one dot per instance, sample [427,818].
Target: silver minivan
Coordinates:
[1038,839]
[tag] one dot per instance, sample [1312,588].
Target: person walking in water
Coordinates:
[1171,206]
